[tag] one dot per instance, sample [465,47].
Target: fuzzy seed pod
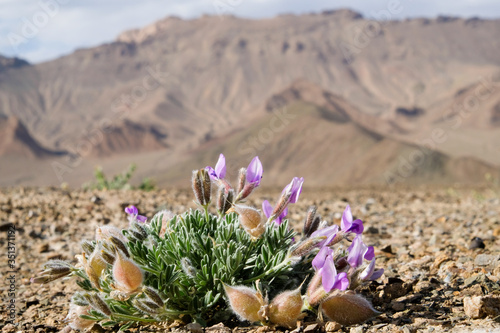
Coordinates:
[245,302]
[348,309]
[285,308]
[251,220]
[127,274]
[249,217]
[75,321]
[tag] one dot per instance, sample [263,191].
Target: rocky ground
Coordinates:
[440,249]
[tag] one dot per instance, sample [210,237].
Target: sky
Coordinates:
[41,30]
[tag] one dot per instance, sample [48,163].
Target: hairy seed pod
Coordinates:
[348,309]
[245,302]
[127,274]
[285,308]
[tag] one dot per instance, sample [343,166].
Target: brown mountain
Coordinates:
[16,141]
[370,91]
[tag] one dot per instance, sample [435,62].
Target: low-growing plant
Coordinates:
[119,181]
[206,267]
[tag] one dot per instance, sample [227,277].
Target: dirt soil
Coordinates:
[440,249]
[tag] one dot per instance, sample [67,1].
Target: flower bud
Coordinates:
[188,268]
[153,295]
[87,247]
[242,176]
[311,222]
[201,186]
[75,321]
[224,199]
[348,309]
[245,302]
[103,233]
[140,229]
[94,266]
[108,257]
[127,274]
[98,304]
[79,299]
[119,295]
[306,246]
[119,245]
[285,308]
[207,186]
[145,308]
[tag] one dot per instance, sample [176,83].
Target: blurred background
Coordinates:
[341,93]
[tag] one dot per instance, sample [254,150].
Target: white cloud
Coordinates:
[70,24]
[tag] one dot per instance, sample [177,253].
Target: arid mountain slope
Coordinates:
[190,83]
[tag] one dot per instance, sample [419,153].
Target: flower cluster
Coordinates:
[204,267]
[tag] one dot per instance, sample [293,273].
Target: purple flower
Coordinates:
[220,169]
[133,213]
[330,233]
[369,273]
[268,211]
[359,251]
[295,187]
[348,225]
[254,172]
[323,263]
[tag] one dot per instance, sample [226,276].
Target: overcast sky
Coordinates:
[39,30]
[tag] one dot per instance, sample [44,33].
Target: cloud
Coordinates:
[44,29]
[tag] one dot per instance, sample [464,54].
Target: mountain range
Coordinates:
[334,97]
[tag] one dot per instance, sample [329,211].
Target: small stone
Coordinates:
[496,232]
[387,249]
[42,248]
[398,306]
[484,260]
[95,199]
[311,328]
[358,329]
[194,327]
[219,328]
[482,306]
[476,243]
[332,326]
[9,328]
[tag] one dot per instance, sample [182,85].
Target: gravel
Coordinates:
[440,250]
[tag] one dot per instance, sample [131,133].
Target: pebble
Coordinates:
[332,326]
[482,306]
[476,243]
